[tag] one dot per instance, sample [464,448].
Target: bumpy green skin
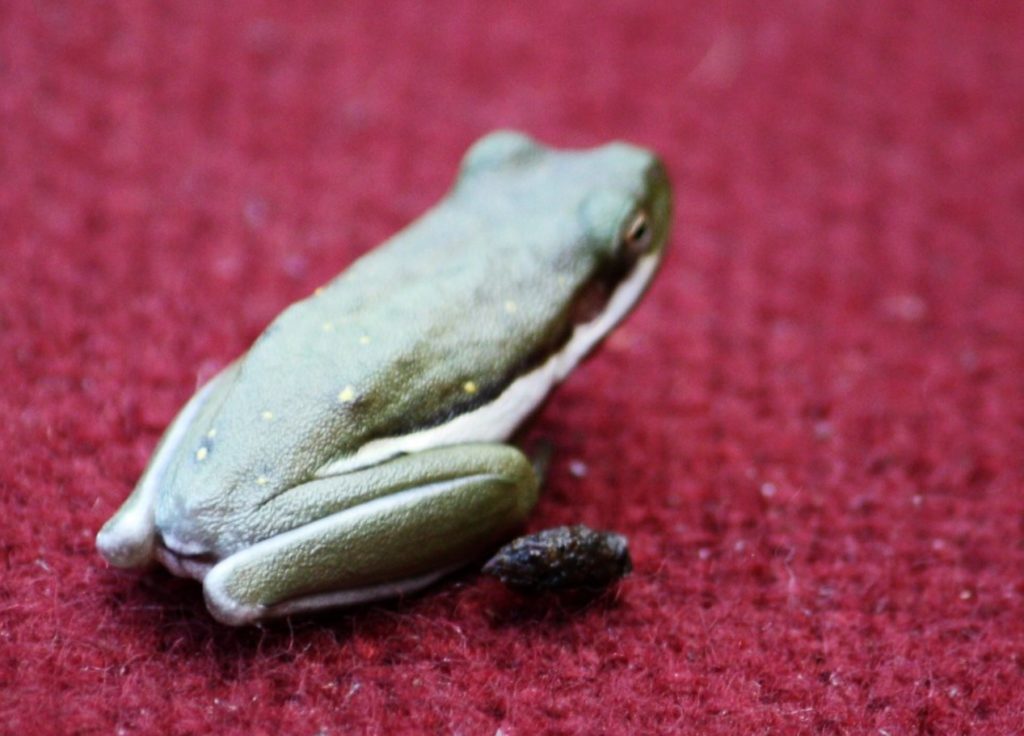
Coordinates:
[485,493]
[433,324]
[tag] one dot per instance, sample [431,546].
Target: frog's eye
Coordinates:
[638,234]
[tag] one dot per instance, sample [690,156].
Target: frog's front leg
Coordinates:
[375,533]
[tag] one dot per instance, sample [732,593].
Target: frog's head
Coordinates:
[620,191]
[625,213]
[598,219]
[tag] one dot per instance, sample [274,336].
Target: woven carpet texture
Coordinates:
[811,430]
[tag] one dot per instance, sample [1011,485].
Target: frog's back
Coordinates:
[444,315]
[430,326]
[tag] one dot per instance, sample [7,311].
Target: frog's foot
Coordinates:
[381,532]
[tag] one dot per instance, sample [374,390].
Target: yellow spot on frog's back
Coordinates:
[511,307]
[346,395]
[562,280]
[201,454]
[267,415]
[364,340]
[262,480]
[318,291]
[469,387]
[212,433]
[327,326]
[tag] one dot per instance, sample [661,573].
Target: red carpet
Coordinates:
[812,431]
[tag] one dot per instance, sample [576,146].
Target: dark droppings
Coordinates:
[565,558]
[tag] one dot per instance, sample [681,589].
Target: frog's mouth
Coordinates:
[615,287]
[602,304]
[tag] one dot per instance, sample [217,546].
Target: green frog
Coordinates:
[358,450]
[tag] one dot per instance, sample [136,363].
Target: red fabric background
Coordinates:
[812,430]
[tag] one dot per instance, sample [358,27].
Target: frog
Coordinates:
[360,449]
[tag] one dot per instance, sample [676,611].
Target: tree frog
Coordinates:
[358,450]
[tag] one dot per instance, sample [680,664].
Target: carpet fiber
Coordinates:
[812,430]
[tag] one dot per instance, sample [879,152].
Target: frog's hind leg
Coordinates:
[128,538]
[375,533]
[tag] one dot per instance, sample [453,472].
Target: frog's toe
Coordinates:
[224,605]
